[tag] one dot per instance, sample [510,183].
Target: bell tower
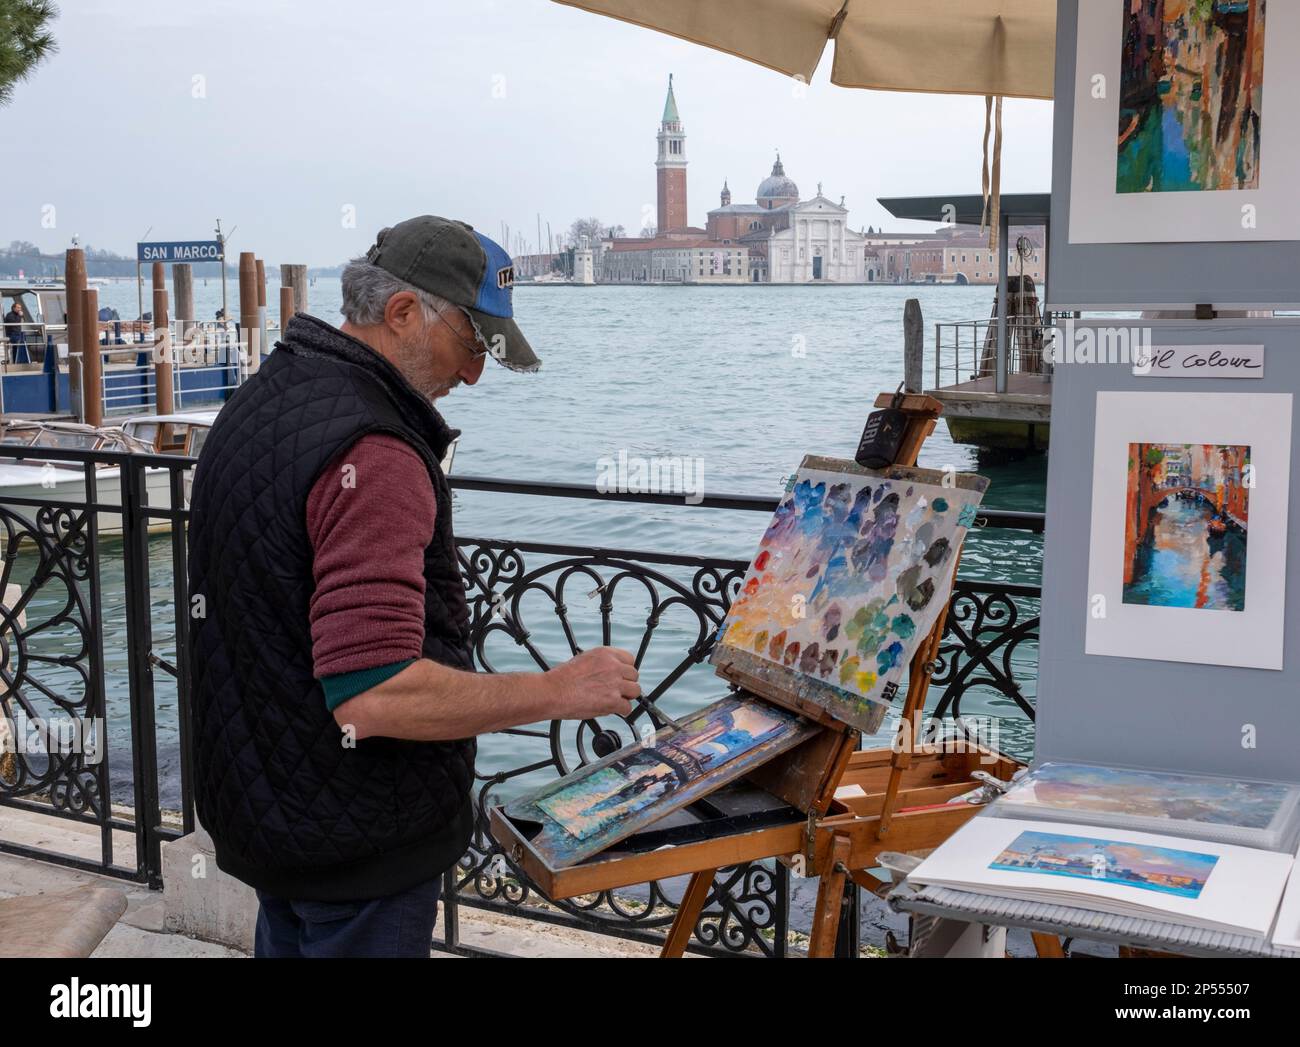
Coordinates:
[670,167]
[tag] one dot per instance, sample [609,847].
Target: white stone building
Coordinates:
[816,246]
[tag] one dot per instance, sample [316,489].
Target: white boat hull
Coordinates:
[68,487]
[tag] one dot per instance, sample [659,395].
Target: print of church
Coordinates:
[778,239]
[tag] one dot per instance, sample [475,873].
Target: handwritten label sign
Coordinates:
[1199,361]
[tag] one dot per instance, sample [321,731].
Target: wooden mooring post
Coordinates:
[74,280]
[262,327]
[92,363]
[162,344]
[286,308]
[913,347]
[295,276]
[183,299]
[250,331]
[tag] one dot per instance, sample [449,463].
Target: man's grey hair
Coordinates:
[367,288]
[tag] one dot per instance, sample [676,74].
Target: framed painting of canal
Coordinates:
[1175,123]
[1189,527]
[849,577]
[1184,122]
[604,802]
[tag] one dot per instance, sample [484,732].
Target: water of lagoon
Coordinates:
[742,381]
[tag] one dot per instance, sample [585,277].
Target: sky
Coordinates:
[307,126]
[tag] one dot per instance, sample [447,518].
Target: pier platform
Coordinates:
[1018,419]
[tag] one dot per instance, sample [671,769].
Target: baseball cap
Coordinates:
[454,261]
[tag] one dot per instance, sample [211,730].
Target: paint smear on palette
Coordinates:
[849,578]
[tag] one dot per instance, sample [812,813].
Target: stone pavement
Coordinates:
[143,928]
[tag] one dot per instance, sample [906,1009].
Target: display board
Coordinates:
[1175,154]
[1184,566]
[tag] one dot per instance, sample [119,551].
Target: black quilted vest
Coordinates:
[291,809]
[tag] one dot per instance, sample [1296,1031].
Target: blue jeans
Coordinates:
[398,925]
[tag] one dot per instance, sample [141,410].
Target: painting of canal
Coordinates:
[592,802]
[1148,868]
[597,805]
[1191,93]
[1186,519]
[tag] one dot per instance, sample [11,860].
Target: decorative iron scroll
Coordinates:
[503,593]
[987,625]
[51,684]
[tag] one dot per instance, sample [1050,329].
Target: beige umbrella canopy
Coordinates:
[982,47]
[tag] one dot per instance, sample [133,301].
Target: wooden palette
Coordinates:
[851,575]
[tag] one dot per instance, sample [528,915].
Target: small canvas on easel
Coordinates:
[849,578]
[585,812]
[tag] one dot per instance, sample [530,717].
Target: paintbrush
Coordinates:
[656,714]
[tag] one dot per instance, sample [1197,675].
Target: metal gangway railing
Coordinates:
[209,359]
[966,351]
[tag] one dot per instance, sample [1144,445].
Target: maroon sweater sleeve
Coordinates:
[369,519]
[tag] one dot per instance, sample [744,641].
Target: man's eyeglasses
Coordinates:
[473,348]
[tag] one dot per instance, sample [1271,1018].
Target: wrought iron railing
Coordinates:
[93,617]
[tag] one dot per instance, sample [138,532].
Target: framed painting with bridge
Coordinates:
[1189,527]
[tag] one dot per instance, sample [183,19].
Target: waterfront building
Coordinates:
[968,259]
[781,238]
[793,241]
[668,260]
[584,268]
[953,255]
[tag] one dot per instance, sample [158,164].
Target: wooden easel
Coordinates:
[808,827]
[844,844]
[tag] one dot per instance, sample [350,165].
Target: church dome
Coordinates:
[777,186]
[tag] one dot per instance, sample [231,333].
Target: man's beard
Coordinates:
[418,369]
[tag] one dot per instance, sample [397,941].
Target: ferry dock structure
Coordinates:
[78,379]
[992,375]
[52,363]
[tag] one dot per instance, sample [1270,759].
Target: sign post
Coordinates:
[179,251]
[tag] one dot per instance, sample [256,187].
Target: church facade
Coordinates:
[816,245]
